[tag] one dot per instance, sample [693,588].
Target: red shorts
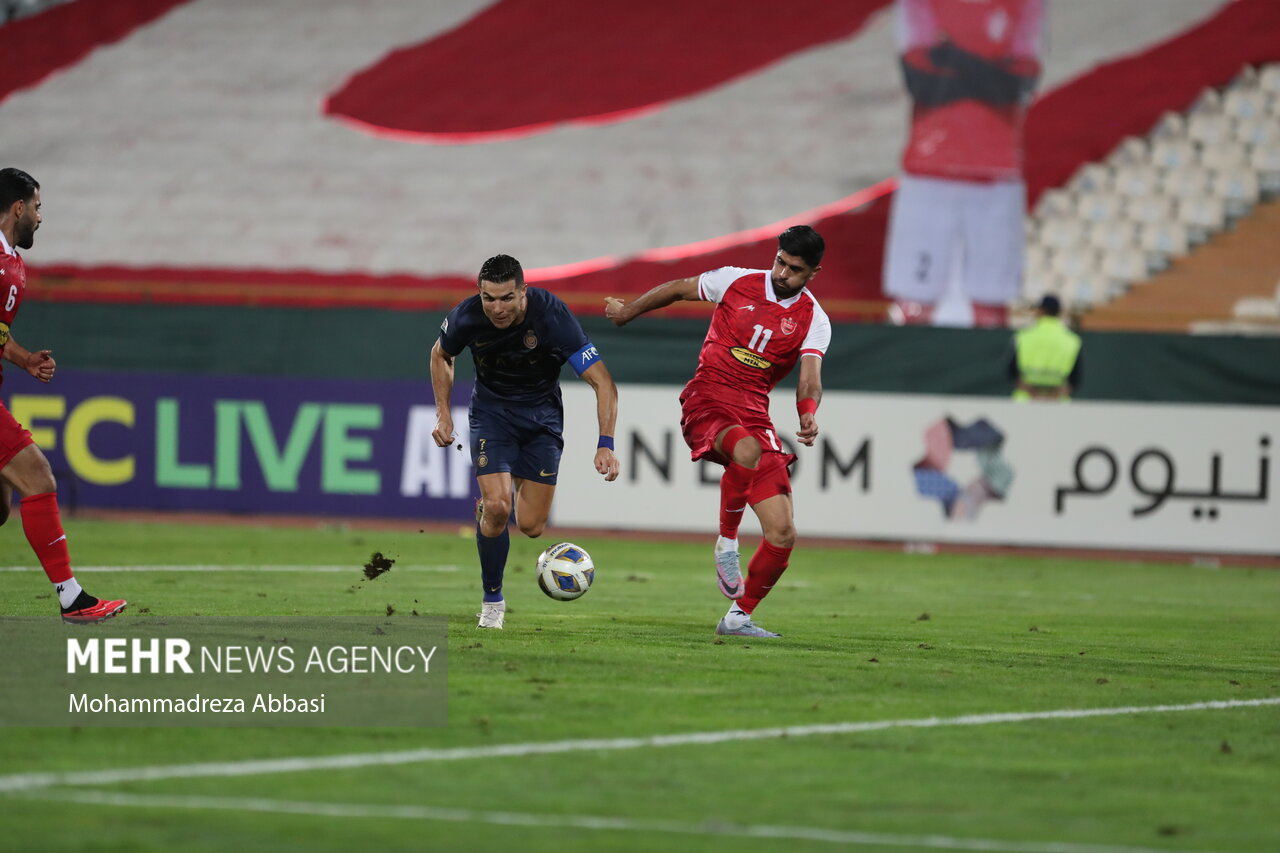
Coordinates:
[773,477]
[704,416]
[13,437]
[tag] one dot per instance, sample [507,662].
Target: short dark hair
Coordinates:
[501,268]
[803,242]
[1050,305]
[16,185]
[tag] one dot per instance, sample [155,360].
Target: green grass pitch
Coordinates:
[870,637]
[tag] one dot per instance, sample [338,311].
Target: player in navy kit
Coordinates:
[519,338]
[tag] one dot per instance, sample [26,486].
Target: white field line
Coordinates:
[226,568]
[256,767]
[578,822]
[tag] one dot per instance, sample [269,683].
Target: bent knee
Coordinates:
[747,452]
[494,518]
[29,473]
[782,538]
[532,529]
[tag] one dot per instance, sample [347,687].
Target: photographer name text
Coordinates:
[262,703]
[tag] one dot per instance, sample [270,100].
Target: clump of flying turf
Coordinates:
[378,565]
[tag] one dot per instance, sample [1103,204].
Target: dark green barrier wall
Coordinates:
[353,344]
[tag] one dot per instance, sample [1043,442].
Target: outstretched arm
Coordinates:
[601,381]
[39,364]
[621,312]
[808,395]
[442,385]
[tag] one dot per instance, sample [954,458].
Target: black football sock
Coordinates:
[82,601]
[493,561]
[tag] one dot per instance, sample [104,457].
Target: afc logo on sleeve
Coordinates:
[584,358]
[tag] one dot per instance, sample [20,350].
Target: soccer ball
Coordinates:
[565,571]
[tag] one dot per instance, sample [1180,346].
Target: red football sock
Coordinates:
[734,485]
[43,527]
[766,566]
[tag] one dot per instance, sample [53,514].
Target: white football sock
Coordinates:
[723,544]
[68,591]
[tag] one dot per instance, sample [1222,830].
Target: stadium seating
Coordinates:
[1265,161]
[1163,241]
[1149,209]
[1142,212]
[1173,152]
[1100,206]
[1122,267]
[1113,235]
[1202,215]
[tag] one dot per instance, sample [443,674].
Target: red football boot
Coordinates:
[84,612]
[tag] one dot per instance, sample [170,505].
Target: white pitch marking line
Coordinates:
[226,568]
[708,828]
[256,767]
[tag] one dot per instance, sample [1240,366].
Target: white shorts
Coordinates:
[937,223]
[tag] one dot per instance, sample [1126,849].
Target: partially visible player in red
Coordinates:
[765,321]
[22,466]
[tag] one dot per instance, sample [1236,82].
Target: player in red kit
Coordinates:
[22,466]
[764,323]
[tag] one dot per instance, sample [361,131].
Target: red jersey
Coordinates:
[957,135]
[755,339]
[13,284]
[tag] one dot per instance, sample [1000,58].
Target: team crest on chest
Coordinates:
[530,339]
[787,325]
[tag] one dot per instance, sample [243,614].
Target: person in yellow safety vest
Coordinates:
[1046,363]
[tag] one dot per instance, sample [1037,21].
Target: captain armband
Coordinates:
[584,358]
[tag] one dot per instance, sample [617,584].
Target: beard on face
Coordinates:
[25,236]
[779,287]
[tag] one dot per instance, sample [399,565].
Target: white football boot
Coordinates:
[736,623]
[492,614]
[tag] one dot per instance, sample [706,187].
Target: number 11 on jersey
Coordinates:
[761,336]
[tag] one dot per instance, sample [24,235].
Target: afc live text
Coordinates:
[325,446]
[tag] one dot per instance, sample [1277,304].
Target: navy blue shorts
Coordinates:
[524,441]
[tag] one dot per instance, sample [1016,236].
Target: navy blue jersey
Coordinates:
[520,364]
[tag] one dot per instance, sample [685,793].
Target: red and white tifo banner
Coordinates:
[958,469]
[651,148]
